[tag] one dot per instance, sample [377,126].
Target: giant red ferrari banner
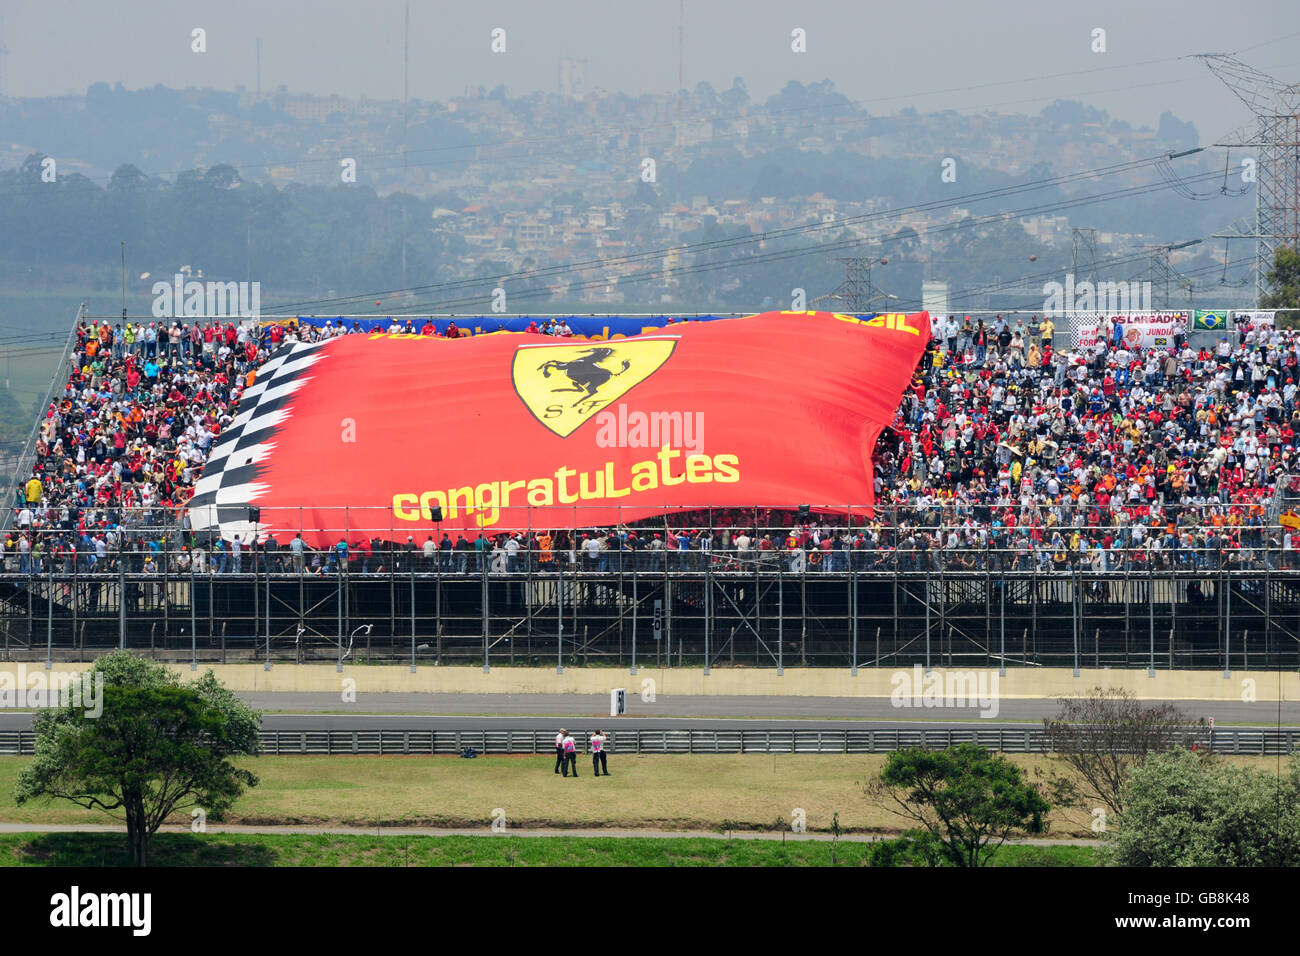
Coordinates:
[380,435]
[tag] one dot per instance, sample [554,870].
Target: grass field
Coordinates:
[183,849]
[663,792]
[654,792]
[666,792]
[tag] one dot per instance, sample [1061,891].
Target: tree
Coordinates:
[736,97]
[965,798]
[1175,132]
[646,194]
[1072,113]
[1107,733]
[913,848]
[820,95]
[99,96]
[707,95]
[1183,810]
[32,168]
[127,178]
[223,176]
[1284,278]
[158,748]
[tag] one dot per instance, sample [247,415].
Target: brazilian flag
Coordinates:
[1210,321]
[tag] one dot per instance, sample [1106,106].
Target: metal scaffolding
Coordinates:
[761,616]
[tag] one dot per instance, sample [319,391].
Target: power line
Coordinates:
[767,258]
[751,238]
[1200,270]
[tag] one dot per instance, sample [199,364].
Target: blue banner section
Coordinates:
[586,326]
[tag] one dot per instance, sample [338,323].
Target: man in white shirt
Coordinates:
[592,547]
[598,762]
[559,749]
[570,755]
[743,543]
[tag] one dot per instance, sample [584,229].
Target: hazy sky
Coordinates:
[1008,55]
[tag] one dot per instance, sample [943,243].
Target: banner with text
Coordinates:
[514,431]
[582,326]
[1259,319]
[1137,329]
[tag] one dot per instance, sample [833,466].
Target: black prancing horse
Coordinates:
[585,373]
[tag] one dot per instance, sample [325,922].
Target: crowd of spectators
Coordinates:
[118,450]
[1008,452]
[1114,457]
[311,332]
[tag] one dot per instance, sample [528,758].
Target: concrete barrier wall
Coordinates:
[1024,683]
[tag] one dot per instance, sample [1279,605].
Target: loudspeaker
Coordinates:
[254,515]
[804,512]
[436,514]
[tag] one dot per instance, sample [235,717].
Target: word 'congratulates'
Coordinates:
[568,486]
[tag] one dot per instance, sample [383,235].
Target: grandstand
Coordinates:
[1112,505]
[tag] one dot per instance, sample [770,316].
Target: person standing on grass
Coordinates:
[598,761]
[570,755]
[559,751]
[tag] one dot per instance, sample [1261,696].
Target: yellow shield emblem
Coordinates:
[564,385]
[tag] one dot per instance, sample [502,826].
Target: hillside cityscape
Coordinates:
[645,203]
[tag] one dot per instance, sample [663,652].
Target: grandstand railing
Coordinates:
[178,562]
[1024,740]
[940,537]
[412,518]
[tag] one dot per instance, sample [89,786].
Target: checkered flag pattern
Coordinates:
[229,484]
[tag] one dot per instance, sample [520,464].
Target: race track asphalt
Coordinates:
[312,711]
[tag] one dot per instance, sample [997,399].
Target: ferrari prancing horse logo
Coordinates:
[564,385]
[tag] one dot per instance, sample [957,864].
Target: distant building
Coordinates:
[934,297]
[572,78]
[316,108]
